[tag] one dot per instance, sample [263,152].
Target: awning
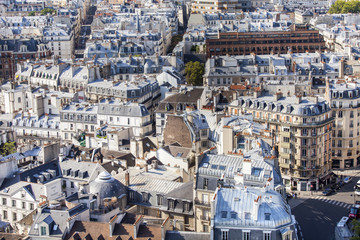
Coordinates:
[327,177]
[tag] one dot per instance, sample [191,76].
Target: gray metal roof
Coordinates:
[216,165]
[272,212]
[150,184]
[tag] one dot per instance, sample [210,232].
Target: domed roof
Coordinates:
[106,186]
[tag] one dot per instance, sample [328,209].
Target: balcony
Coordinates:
[284,165]
[285,145]
[205,218]
[285,155]
[202,203]
[285,134]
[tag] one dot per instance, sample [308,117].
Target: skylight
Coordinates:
[214,166]
[256,172]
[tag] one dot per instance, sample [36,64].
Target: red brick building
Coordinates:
[17,50]
[300,38]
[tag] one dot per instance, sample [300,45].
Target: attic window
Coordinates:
[233,215]
[223,214]
[267,216]
[247,215]
[255,172]
[222,167]
[214,166]
[179,154]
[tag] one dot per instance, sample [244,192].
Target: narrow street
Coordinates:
[319,214]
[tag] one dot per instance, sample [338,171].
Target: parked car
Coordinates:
[327,192]
[347,179]
[354,212]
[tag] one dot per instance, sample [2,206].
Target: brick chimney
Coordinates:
[127,178]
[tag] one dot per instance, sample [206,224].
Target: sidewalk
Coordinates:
[303,196]
[351,172]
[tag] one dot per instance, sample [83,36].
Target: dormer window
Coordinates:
[145,197]
[171,204]
[186,206]
[178,107]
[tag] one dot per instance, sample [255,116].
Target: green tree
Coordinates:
[194,72]
[197,48]
[337,7]
[174,41]
[340,6]
[32,13]
[45,11]
[7,148]
[356,229]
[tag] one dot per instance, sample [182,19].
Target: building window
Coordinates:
[14,217]
[186,206]
[159,200]
[5,216]
[224,234]
[4,202]
[206,182]
[49,102]
[223,214]
[145,197]
[246,235]
[23,205]
[72,185]
[171,204]
[303,153]
[267,216]
[31,206]
[43,230]
[205,228]
[204,133]
[267,236]
[13,203]
[132,195]
[19,100]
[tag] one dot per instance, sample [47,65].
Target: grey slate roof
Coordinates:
[185,192]
[120,109]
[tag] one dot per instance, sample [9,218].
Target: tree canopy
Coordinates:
[7,148]
[194,72]
[356,229]
[341,6]
[45,11]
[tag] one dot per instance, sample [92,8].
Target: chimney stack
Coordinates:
[127,178]
[257,204]
[154,164]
